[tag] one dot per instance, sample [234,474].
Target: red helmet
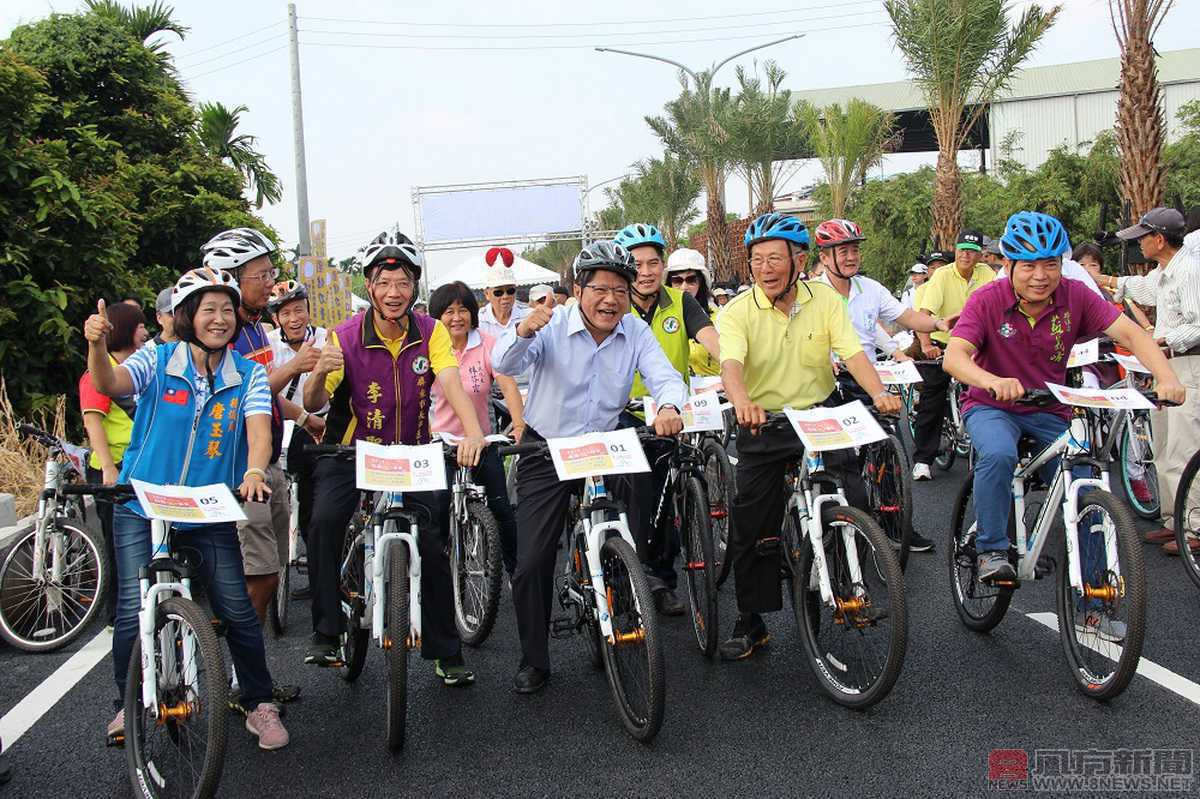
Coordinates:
[833,232]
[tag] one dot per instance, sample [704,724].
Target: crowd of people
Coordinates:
[235,356]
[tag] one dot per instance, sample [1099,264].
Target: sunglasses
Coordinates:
[691,280]
[508,292]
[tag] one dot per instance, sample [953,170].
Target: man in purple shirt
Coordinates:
[1015,335]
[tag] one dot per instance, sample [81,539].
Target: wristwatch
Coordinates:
[669,405]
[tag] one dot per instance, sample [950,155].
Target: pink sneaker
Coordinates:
[264,722]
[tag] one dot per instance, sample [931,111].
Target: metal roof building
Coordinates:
[1046,106]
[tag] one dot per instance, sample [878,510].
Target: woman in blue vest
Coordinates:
[204,417]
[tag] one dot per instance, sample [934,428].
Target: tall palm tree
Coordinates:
[217,131]
[962,54]
[662,191]
[141,21]
[764,140]
[694,129]
[1141,124]
[848,142]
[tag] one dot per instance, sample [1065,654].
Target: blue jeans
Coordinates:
[221,569]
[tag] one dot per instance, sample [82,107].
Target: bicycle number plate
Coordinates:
[843,427]
[701,412]
[382,467]
[209,504]
[1109,400]
[898,373]
[598,454]
[1084,354]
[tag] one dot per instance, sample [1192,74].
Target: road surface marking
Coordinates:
[26,713]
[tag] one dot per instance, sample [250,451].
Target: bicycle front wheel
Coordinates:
[633,654]
[278,610]
[352,578]
[1139,477]
[476,567]
[889,493]
[397,646]
[699,567]
[39,613]
[1187,518]
[179,750]
[1103,626]
[981,606]
[855,644]
[718,475]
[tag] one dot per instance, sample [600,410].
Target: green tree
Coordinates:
[662,191]
[1182,158]
[848,142]
[556,255]
[763,135]
[963,55]
[218,132]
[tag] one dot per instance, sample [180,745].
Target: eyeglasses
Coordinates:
[773,261]
[508,292]
[265,277]
[603,292]
[388,285]
[679,280]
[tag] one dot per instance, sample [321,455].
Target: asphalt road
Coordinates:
[755,728]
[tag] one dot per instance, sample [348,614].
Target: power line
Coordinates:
[791,10]
[273,37]
[191,53]
[773,24]
[239,63]
[573,46]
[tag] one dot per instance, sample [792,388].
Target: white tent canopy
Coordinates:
[473,272]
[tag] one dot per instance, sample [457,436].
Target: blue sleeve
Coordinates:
[141,366]
[258,395]
[513,354]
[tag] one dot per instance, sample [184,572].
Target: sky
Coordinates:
[397,95]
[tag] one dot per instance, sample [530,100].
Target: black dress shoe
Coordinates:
[667,603]
[530,680]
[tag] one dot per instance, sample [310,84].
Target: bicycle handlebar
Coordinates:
[644,433]
[98,490]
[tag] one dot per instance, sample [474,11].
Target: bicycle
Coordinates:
[604,591]
[846,587]
[177,689]
[476,562]
[954,441]
[888,481]
[1187,519]
[277,611]
[1128,435]
[54,578]
[1090,596]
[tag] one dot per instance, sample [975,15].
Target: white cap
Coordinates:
[538,292]
[743,288]
[919,269]
[720,292]
[499,275]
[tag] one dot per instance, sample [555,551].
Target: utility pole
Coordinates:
[305,245]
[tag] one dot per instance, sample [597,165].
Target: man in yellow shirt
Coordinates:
[943,296]
[776,342]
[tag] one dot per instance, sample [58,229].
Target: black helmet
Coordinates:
[608,255]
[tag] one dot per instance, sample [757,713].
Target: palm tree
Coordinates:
[764,140]
[848,142]
[662,191]
[693,129]
[962,54]
[1141,125]
[141,21]
[217,131]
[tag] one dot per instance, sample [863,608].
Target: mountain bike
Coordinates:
[53,578]
[1101,593]
[607,600]
[476,561]
[1187,518]
[177,689]
[846,587]
[888,481]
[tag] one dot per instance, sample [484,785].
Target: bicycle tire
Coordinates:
[1152,508]
[20,593]
[277,613]
[632,612]
[589,628]
[833,672]
[699,567]
[1129,594]
[980,606]
[946,454]
[889,493]
[397,650]
[352,578]
[1187,519]
[148,773]
[719,477]
[483,539]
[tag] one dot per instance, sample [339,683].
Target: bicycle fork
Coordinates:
[152,594]
[385,535]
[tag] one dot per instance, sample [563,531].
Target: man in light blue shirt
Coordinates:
[581,365]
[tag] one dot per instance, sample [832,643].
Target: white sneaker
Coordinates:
[921,472]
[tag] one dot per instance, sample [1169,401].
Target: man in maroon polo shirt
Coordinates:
[1017,334]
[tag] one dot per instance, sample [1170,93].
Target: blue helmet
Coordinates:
[1031,236]
[777,226]
[639,234]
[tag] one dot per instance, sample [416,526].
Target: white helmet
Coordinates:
[231,249]
[386,249]
[688,260]
[204,279]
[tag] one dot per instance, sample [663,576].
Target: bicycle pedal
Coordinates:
[115,741]
[1045,565]
[562,627]
[1013,584]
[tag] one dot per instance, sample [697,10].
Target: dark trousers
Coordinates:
[542,503]
[931,412]
[658,544]
[104,510]
[490,474]
[335,501]
[302,466]
[759,505]
[220,564]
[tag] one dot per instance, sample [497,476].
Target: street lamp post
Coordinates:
[692,74]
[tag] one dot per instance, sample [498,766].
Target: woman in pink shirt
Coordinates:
[455,305]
